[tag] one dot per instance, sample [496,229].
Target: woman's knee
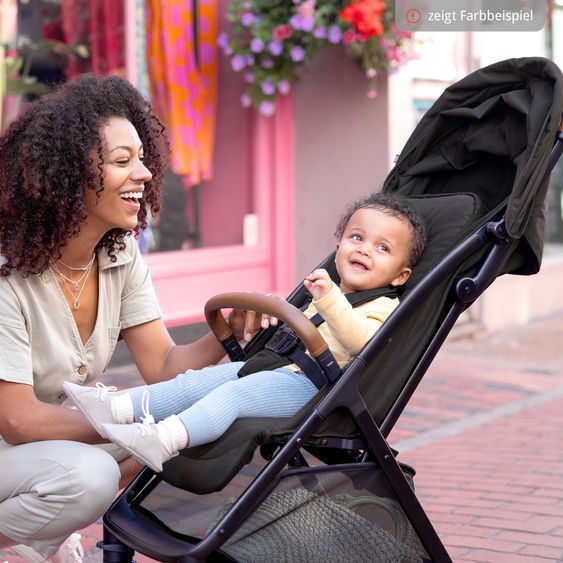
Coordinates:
[92,482]
[62,486]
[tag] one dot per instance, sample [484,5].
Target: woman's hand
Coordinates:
[318,283]
[245,324]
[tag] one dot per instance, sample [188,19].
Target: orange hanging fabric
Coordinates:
[182,68]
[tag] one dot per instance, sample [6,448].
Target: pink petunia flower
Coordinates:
[281,32]
[348,37]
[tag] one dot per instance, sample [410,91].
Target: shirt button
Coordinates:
[83,370]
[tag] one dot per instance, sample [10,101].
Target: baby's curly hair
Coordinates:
[396,205]
[46,166]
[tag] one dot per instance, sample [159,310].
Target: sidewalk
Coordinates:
[484,432]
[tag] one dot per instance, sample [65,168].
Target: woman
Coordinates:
[79,171]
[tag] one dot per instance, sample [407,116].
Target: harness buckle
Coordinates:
[283,341]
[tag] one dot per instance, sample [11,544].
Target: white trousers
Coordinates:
[50,489]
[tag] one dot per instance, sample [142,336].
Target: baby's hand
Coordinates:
[318,283]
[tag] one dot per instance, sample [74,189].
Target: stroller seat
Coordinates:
[476,169]
[211,467]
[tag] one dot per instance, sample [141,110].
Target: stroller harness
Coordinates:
[285,347]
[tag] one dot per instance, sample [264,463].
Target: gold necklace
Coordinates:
[77,289]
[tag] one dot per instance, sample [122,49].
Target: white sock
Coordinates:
[122,409]
[172,434]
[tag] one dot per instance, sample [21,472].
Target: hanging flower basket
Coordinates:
[270,41]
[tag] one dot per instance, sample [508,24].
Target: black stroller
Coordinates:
[331,488]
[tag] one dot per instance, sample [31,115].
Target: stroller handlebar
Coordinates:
[268,305]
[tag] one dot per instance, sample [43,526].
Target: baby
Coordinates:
[380,239]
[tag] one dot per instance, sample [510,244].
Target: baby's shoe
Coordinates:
[93,402]
[142,440]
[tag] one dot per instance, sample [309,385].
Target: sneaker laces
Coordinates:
[74,550]
[147,420]
[102,390]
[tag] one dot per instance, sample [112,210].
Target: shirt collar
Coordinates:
[104,261]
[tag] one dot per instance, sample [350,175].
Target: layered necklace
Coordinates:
[74,287]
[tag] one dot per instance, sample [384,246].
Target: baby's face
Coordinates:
[373,251]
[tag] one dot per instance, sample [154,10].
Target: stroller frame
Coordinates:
[126,523]
[342,394]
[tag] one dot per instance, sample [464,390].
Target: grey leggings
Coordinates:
[208,401]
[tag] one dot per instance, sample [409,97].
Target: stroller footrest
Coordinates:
[143,534]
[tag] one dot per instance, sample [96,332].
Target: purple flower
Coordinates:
[267,63]
[245,101]
[275,48]
[238,63]
[267,108]
[247,19]
[334,34]
[227,51]
[256,45]
[223,40]
[249,59]
[319,32]
[284,87]
[268,87]
[249,77]
[307,23]
[297,53]
[295,21]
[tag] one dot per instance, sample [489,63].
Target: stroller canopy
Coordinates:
[491,133]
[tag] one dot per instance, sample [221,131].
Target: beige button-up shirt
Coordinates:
[39,340]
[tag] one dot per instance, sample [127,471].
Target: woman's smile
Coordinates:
[132,199]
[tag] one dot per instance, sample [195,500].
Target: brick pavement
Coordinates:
[484,432]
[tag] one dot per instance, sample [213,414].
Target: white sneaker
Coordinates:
[71,551]
[142,441]
[93,402]
[28,553]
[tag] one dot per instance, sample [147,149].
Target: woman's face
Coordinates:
[124,177]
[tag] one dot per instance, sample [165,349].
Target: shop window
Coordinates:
[232,232]
[59,39]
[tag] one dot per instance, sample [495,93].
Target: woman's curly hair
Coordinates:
[47,164]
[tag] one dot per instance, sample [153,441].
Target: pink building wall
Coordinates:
[341,149]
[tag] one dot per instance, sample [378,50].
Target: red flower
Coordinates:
[281,32]
[365,16]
